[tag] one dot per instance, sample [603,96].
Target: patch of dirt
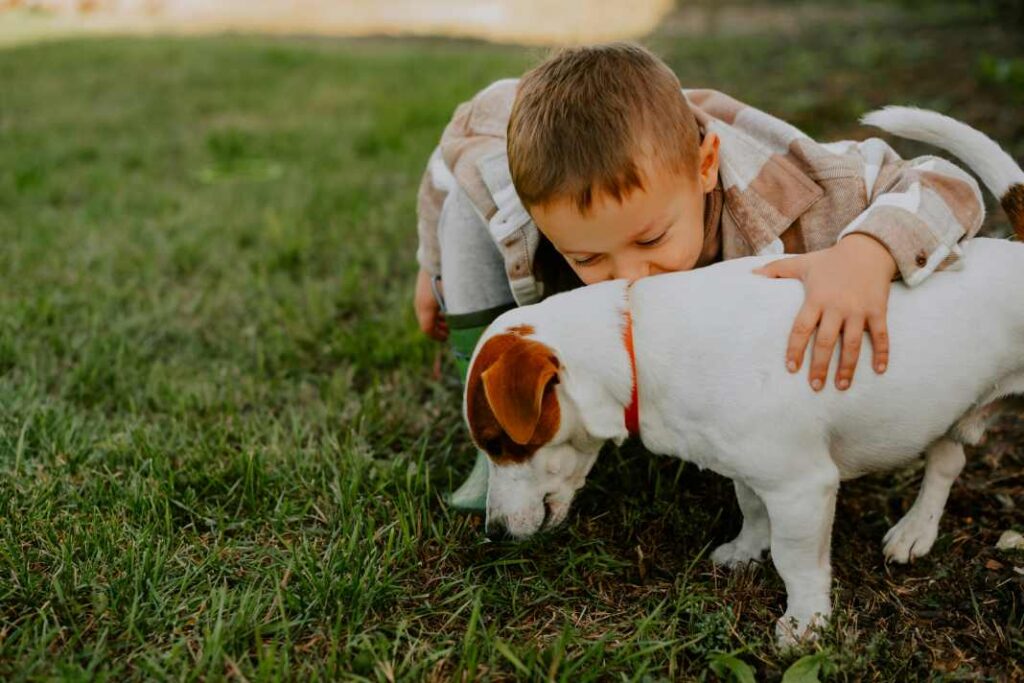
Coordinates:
[960,609]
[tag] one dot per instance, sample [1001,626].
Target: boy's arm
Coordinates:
[476,129]
[917,213]
[919,209]
[434,188]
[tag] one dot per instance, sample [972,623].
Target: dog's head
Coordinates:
[519,413]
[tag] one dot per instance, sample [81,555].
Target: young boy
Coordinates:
[610,170]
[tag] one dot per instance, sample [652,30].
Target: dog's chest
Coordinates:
[690,441]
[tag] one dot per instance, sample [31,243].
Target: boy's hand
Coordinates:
[428,311]
[845,288]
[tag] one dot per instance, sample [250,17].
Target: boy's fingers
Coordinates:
[824,344]
[427,323]
[424,322]
[432,324]
[786,267]
[879,330]
[803,327]
[853,335]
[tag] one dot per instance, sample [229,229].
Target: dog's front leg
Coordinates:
[755,535]
[800,514]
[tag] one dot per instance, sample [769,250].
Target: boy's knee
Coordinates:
[472,268]
[460,224]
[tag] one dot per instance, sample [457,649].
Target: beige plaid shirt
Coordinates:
[779,191]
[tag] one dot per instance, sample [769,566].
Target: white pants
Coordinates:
[472,269]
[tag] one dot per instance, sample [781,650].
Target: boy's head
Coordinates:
[607,157]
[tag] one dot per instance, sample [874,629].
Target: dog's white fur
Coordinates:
[714,390]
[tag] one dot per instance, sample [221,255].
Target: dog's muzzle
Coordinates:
[524,525]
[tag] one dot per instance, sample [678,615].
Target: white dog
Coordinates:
[699,355]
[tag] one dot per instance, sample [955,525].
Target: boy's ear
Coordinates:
[708,165]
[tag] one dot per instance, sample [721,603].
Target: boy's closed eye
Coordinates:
[653,240]
[584,261]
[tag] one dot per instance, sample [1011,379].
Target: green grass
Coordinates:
[222,453]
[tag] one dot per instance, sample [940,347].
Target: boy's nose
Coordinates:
[633,271]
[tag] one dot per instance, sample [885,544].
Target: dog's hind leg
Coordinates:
[914,535]
[755,535]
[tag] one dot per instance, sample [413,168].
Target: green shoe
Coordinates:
[465,332]
[472,495]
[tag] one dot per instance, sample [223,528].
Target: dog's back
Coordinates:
[957,342]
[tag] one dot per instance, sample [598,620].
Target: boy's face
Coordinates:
[656,229]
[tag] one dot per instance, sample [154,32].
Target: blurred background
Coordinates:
[223,447]
[519,21]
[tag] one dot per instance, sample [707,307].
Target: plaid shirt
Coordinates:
[779,191]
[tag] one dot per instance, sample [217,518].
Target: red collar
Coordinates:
[632,413]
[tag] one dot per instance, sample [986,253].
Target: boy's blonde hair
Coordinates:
[582,119]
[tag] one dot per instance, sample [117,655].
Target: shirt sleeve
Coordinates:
[919,209]
[435,185]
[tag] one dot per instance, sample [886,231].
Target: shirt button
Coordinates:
[922,259]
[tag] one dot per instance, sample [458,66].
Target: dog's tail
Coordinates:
[997,169]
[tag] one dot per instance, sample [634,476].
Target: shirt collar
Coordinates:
[763,191]
[712,248]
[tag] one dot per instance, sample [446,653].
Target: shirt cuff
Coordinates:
[911,244]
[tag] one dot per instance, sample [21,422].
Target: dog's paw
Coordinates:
[911,537]
[735,553]
[794,632]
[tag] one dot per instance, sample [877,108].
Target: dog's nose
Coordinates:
[494,530]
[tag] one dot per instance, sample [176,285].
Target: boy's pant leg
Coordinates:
[476,291]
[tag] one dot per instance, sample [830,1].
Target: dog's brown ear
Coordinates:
[515,386]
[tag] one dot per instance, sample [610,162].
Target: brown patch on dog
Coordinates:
[1013,204]
[522,330]
[511,404]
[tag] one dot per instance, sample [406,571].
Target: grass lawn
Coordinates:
[222,449]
